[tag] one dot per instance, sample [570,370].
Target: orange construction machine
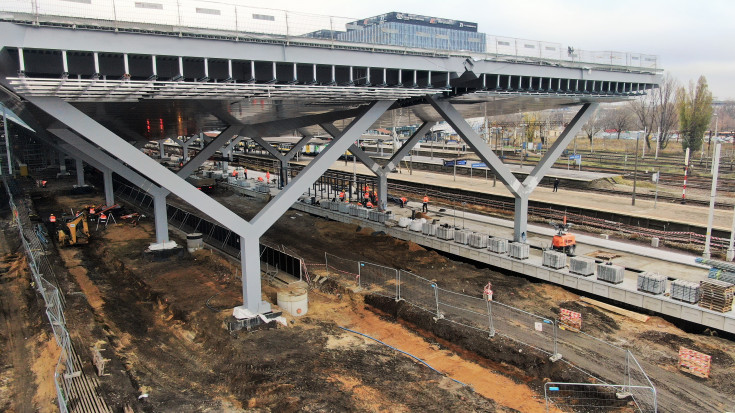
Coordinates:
[563,241]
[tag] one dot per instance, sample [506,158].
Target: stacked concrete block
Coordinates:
[429,229]
[445,233]
[610,273]
[582,266]
[652,283]
[462,237]
[498,245]
[554,259]
[478,240]
[519,250]
[686,291]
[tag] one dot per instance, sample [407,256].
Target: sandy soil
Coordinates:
[165,340]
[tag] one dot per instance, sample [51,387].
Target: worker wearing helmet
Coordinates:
[425,207]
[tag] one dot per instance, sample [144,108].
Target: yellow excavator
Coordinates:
[72,235]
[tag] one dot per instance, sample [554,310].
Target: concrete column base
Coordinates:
[163,246]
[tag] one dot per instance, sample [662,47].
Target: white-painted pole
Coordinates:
[713,195]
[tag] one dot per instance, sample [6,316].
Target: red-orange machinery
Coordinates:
[563,241]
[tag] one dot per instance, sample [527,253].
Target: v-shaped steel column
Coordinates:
[282,159]
[382,172]
[521,191]
[291,192]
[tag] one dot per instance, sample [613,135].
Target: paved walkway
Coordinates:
[644,209]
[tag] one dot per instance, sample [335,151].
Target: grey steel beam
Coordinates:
[450,114]
[267,147]
[299,145]
[408,145]
[160,218]
[110,142]
[85,148]
[208,151]
[62,163]
[251,288]
[109,189]
[291,193]
[545,164]
[161,149]
[80,171]
[227,150]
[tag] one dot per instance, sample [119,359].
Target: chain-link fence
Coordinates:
[603,361]
[599,397]
[623,381]
[43,275]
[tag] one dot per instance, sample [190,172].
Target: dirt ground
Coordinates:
[161,325]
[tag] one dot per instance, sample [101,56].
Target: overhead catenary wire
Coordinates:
[401,351]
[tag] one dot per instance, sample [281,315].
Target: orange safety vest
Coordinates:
[234,173]
[91,211]
[268,176]
[260,179]
[103,217]
[426,199]
[404,200]
[52,218]
[369,204]
[366,196]
[342,195]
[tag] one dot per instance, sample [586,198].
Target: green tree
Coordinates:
[695,113]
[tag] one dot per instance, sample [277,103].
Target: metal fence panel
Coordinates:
[586,397]
[342,268]
[527,328]
[418,291]
[379,279]
[462,309]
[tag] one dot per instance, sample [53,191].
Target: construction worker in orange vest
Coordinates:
[52,218]
[234,173]
[260,179]
[267,176]
[403,201]
[245,173]
[341,196]
[368,204]
[425,208]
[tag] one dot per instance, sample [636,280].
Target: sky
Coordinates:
[691,38]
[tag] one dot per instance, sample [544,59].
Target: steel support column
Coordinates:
[520,218]
[291,193]
[453,118]
[110,142]
[251,289]
[109,190]
[62,163]
[161,219]
[80,171]
[382,190]
[561,143]
[162,149]
[521,191]
[382,172]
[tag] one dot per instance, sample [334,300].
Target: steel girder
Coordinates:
[291,192]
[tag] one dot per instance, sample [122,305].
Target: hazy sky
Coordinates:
[691,38]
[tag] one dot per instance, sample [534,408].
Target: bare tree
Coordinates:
[592,127]
[619,119]
[666,113]
[644,114]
